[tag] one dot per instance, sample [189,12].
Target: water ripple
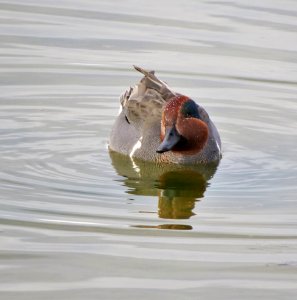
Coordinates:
[77,220]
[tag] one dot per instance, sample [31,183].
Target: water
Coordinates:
[79,224]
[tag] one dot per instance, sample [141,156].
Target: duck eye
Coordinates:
[127,119]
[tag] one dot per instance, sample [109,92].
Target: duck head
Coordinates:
[182,130]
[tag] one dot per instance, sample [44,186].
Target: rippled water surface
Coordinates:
[79,223]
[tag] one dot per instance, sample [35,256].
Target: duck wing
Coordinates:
[145,100]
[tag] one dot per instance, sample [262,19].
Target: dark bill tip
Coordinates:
[172,137]
[161,149]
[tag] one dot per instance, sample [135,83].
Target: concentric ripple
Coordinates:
[79,222]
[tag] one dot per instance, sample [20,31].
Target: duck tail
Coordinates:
[151,81]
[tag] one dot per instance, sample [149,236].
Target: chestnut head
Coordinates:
[182,129]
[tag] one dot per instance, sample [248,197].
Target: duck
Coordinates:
[159,125]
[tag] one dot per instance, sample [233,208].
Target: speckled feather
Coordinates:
[144,102]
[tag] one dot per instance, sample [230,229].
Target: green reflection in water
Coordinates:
[178,188]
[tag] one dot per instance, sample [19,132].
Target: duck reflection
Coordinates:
[178,191]
[177,187]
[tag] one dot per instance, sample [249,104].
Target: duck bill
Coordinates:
[172,137]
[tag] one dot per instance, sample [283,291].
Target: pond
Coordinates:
[78,222]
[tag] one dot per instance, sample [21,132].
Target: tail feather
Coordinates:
[145,100]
